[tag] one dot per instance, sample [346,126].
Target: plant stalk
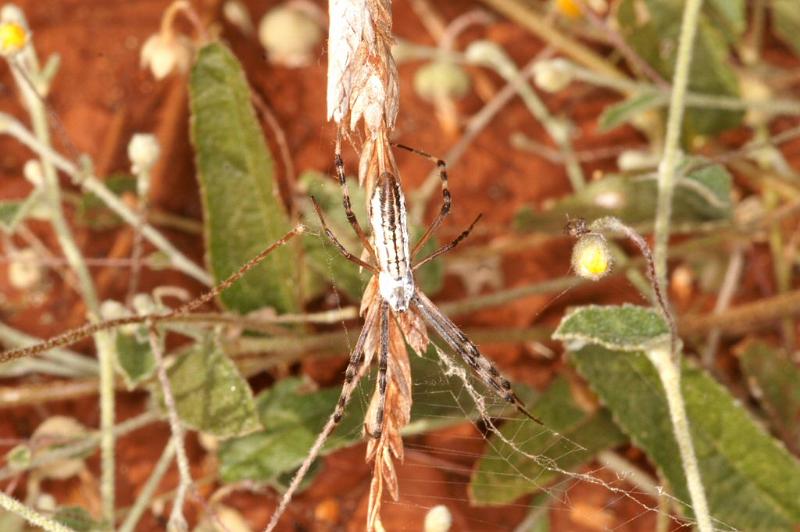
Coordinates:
[12,505]
[669,373]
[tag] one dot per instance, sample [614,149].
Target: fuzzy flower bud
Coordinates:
[552,75]
[289,35]
[25,271]
[438,519]
[143,152]
[441,79]
[591,257]
[164,52]
[13,38]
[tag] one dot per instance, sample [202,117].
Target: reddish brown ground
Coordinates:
[102,97]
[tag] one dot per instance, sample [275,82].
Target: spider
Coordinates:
[398,296]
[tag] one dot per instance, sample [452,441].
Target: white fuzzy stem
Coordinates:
[669,373]
[12,505]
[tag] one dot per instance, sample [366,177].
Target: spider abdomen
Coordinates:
[387,216]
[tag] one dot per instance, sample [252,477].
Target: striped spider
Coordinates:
[392,295]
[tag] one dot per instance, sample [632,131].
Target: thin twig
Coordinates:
[148,489]
[177,521]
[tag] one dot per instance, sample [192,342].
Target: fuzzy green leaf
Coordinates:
[626,327]
[242,210]
[702,195]
[324,262]
[620,113]
[77,518]
[293,415]
[651,27]
[786,22]
[504,474]
[210,394]
[135,360]
[751,481]
[775,382]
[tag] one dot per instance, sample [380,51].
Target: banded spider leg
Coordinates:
[397,295]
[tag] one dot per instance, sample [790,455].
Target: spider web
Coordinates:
[462,421]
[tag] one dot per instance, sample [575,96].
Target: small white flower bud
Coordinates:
[33,172]
[25,271]
[632,160]
[441,79]
[552,75]
[289,35]
[164,52]
[143,152]
[236,13]
[438,519]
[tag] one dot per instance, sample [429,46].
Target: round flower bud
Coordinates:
[289,35]
[164,52]
[13,38]
[143,152]
[570,8]
[552,75]
[441,79]
[438,519]
[25,270]
[591,257]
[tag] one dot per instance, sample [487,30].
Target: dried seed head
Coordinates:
[362,74]
[591,257]
[13,38]
[55,432]
[290,35]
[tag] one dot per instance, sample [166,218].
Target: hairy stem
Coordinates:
[669,373]
[10,504]
[177,522]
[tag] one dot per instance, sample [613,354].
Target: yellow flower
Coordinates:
[13,38]
[591,258]
[569,8]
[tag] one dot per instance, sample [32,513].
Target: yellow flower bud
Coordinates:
[13,38]
[591,257]
[569,8]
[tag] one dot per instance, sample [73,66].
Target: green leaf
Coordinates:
[750,479]
[504,474]
[703,195]
[620,113]
[775,382]
[77,518]
[323,261]
[135,360]
[627,328]
[293,413]
[651,28]
[786,22]
[731,16]
[242,211]
[210,394]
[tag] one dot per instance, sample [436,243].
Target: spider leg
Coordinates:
[348,208]
[383,365]
[458,341]
[447,247]
[351,378]
[349,256]
[446,200]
